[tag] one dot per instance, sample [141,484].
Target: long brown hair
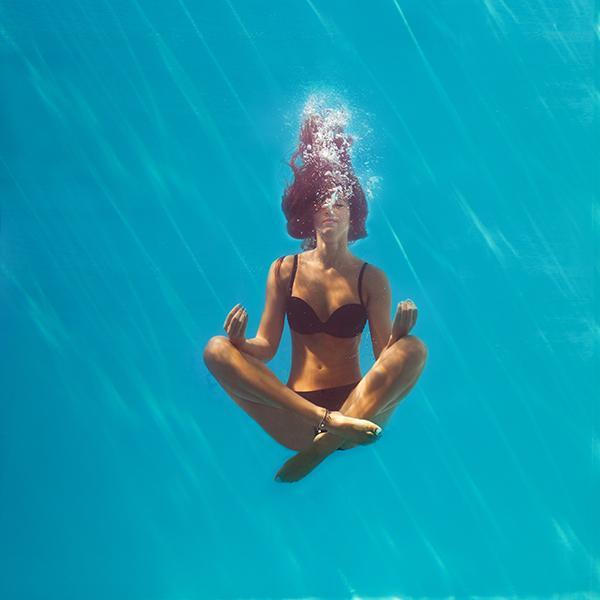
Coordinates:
[326,169]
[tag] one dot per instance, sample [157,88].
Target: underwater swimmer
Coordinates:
[328,295]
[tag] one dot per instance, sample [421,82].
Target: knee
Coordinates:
[414,347]
[418,348]
[216,350]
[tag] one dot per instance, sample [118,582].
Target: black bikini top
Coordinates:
[347,321]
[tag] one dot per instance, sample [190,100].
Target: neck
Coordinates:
[331,254]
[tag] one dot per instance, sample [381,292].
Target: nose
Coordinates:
[327,207]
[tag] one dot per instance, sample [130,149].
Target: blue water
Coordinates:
[143,151]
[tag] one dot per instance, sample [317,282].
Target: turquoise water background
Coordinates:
[143,154]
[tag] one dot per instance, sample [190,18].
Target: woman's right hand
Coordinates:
[235,324]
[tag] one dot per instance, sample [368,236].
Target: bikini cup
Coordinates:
[346,321]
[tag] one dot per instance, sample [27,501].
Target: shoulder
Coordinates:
[375,283]
[283,265]
[280,270]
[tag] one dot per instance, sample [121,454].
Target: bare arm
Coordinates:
[379,303]
[266,342]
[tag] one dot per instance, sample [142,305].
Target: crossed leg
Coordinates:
[281,411]
[389,380]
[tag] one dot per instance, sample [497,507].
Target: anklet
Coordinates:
[320,427]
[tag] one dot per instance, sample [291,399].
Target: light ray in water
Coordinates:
[481,228]
[460,359]
[324,23]
[261,60]
[447,102]
[333,30]
[146,100]
[392,482]
[238,253]
[190,94]
[258,134]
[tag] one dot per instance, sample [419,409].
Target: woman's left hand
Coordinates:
[404,321]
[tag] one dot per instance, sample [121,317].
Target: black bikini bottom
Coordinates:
[332,398]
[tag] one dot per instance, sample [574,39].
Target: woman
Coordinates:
[328,295]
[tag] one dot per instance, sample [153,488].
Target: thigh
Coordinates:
[383,386]
[385,412]
[284,426]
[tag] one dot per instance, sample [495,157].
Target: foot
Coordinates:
[359,431]
[301,464]
[347,446]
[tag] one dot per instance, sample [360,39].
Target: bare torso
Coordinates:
[321,360]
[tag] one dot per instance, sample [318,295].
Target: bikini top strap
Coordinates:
[293,273]
[362,270]
[278,269]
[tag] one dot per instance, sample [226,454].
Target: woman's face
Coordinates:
[332,217]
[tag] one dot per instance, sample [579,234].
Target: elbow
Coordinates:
[378,350]
[267,350]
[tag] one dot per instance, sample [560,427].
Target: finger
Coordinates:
[399,322]
[415,309]
[239,311]
[230,316]
[413,319]
[411,310]
[235,324]
[239,323]
[405,314]
[242,321]
[243,324]
[233,315]
[406,317]
[396,319]
[400,313]
[399,309]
